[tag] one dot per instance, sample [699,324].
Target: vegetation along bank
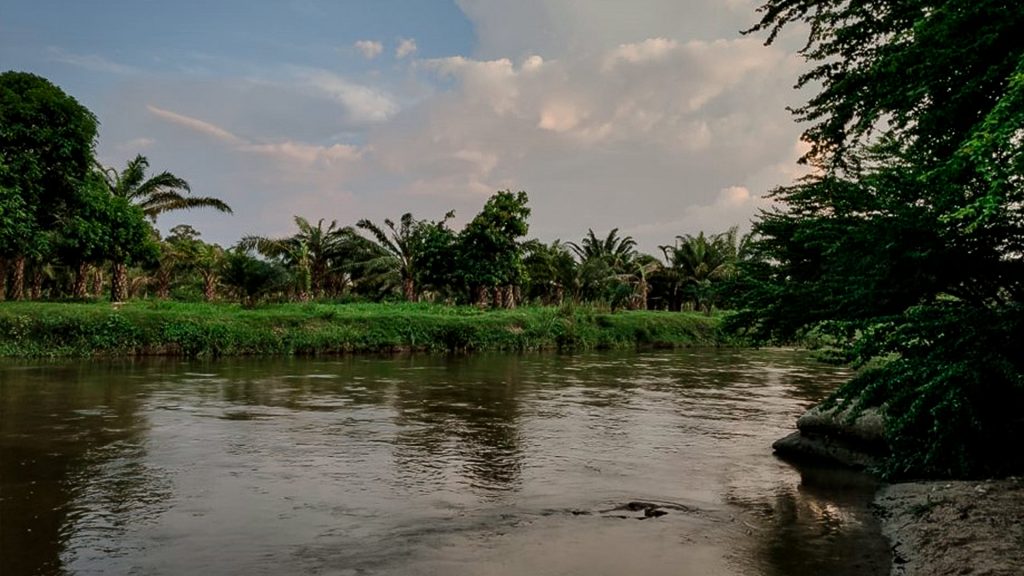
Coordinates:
[47,329]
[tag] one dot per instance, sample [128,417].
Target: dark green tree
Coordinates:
[617,252]
[102,227]
[249,278]
[905,243]
[490,250]
[46,148]
[702,264]
[551,269]
[436,257]
[316,255]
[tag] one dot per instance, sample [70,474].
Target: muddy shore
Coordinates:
[940,528]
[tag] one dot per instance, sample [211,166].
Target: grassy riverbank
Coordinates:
[38,329]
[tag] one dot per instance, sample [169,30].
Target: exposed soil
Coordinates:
[944,528]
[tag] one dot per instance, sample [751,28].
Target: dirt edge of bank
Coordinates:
[939,528]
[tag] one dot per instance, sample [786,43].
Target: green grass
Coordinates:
[43,329]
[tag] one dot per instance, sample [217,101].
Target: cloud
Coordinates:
[732,206]
[298,154]
[197,125]
[662,136]
[91,62]
[654,124]
[406,47]
[370,49]
[307,155]
[363,103]
[135,145]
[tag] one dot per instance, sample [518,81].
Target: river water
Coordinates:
[486,464]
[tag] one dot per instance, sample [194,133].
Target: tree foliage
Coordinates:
[163,192]
[318,256]
[907,237]
[490,251]
[46,148]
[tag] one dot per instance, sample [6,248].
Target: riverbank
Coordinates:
[944,528]
[46,329]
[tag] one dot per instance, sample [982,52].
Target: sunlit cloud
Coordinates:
[406,47]
[370,49]
[363,103]
[197,125]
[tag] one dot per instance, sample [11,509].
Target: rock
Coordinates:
[829,435]
[868,427]
[822,448]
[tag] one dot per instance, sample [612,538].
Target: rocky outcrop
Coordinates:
[832,435]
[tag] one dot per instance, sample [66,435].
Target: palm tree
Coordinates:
[164,192]
[314,254]
[642,267]
[395,251]
[702,261]
[617,252]
[603,261]
[208,260]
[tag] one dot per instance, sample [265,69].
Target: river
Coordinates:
[421,465]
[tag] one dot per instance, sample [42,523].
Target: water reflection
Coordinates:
[72,449]
[465,416]
[420,465]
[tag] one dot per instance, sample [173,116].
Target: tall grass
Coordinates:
[35,329]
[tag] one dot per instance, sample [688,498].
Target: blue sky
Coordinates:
[654,116]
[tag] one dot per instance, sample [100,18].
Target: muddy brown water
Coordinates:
[488,464]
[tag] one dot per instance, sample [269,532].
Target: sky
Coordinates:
[656,117]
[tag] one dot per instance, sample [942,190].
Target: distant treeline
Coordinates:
[72,229]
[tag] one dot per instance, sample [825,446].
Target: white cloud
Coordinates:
[91,62]
[307,155]
[363,103]
[197,125]
[370,49]
[406,47]
[642,123]
[732,206]
[649,50]
[135,145]
[298,154]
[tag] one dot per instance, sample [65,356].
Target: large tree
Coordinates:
[905,244]
[490,250]
[46,149]
[102,227]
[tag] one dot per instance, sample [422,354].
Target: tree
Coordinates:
[398,251]
[905,244]
[702,263]
[315,254]
[103,227]
[156,195]
[551,270]
[46,149]
[250,278]
[618,253]
[490,254]
[436,257]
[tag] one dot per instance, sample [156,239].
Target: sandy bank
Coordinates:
[938,528]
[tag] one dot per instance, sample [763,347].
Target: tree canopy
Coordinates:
[907,236]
